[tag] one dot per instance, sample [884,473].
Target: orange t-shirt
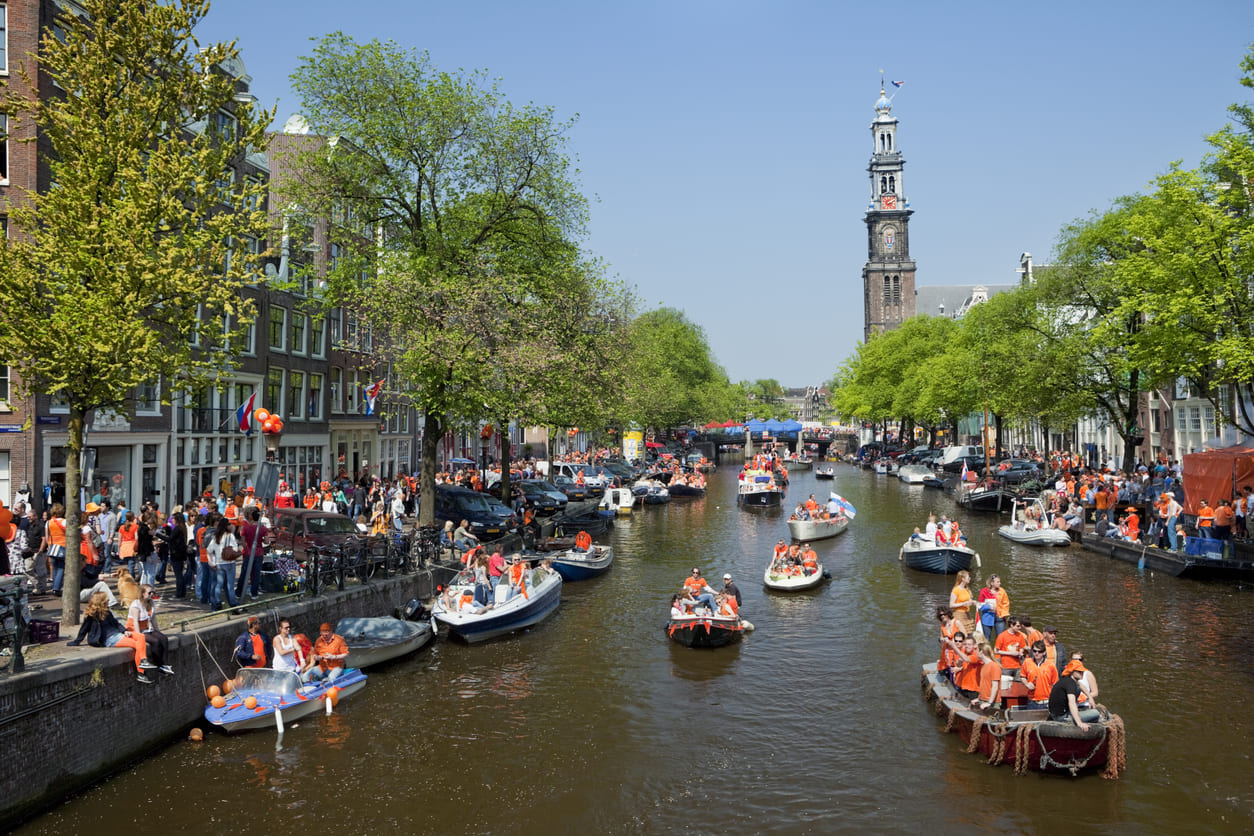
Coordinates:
[695,585]
[1041,677]
[1009,640]
[990,672]
[1223,515]
[961,595]
[1003,603]
[56,531]
[969,675]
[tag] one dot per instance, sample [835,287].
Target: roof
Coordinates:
[956,298]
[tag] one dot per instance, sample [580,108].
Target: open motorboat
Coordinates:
[824,472]
[987,496]
[1033,526]
[512,607]
[258,694]
[759,491]
[374,640]
[914,474]
[783,576]
[799,463]
[619,500]
[584,560]
[1025,737]
[885,466]
[705,630]
[927,555]
[817,529]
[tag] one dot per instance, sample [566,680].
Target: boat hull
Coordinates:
[994,500]
[372,641]
[515,614]
[816,529]
[704,631]
[1172,563]
[236,717]
[1027,739]
[792,583]
[1036,536]
[925,556]
[760,499]
[824,474]
[580,566]
[686,491]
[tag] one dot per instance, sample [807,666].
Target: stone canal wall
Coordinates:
[70,720]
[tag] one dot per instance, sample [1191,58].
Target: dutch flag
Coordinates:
[845,505]
[244,414]
[372,394]
[898,83]
[963,477]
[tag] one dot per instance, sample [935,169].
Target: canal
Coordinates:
[594,722]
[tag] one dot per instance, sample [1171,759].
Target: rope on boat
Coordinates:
[974,743]
[1116,753]
[1075,764]
[1021,748]
[949,721]
[999,732]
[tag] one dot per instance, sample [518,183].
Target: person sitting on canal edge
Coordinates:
[252,648]
[101,629]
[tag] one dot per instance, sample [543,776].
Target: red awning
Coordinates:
[653,444]
[712,425]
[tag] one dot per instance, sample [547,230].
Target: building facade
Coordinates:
[888,276]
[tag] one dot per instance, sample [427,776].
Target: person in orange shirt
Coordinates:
[947,663]
[700,591]
[960,602]
[967,680]
[1221,528]
[252,646]
[1039,676]
[809,559]
[1002,611]
[989,680]
[330,652]
[1132,525]
[1205,517]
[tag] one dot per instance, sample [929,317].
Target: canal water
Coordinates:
[593,722]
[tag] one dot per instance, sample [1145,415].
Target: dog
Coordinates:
[128,587]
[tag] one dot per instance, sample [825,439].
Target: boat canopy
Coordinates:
[1216,474]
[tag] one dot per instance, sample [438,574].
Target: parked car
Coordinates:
[975,463]
[486,517]
[574,492]
[593,477]
[1017,470]
[542,497]
[625,472]
[299,529]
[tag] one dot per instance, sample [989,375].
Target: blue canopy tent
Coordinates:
[791,426]
[756,426]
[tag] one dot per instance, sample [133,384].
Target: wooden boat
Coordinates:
[759,494]
[1027,738]
[510,610]
[1176,564]
[277,692]
[579,564]
[817,529]
[824,472]
[374,640]
[927,555]
[705,630]
[779,578]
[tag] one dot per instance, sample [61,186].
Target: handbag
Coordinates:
[229,554]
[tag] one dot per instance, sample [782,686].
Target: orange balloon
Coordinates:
[262,415]
[250,702]
[228,686]
[278,425]
[218,702]
[267,426]
[213,691]
[195,735]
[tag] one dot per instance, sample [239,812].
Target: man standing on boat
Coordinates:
[730,588]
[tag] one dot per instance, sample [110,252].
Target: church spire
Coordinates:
[888,277]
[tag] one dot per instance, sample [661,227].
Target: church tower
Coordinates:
[888,277]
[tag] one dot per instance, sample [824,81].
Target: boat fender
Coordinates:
[746,625]
[827,576]
[278,720]
[977,560]
[902,551]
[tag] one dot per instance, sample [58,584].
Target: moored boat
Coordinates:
[988,497]
[374,640]
[258,694]
[619,500]
[586,560]
[914,474]
[1033,526]
[926,555]
[1026,738]
[512,607]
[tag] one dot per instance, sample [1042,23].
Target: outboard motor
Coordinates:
[414,611]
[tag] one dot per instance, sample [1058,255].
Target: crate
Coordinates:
[43,632]
[1207,547]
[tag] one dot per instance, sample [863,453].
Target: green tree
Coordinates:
[474,207]
[675,380]
[108,273]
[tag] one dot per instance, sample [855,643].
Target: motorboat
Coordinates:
[824,472]
[259,694]
[927,555]
[759,491]
[799,463]
[1032,526]
[783,577]
[683,489]
[656,495]
[1025,737]
[585,560]
[885,466]
[933,481]
[817,529]
[512,607]
[619,500]
[374,640]
[705,630]
[914,474]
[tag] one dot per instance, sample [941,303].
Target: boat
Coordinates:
[759,491]
[685,490]
[585,560]
[817,529]
[510,610]
[656,495]
[885,467]
[914,474]
[1206,565]
[824,472]
[933,481]
[619,500]
[1036,528]
[705,630]
[938,558]
[374,640]
[785,578]
[988,497]
[1025,737]
[799,463]
[259,694]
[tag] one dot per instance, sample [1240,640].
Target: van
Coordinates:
[592,476]
[952,454]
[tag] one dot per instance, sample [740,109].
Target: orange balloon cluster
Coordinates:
[270,423]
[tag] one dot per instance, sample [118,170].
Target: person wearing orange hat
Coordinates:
[1064,698]
[330,651]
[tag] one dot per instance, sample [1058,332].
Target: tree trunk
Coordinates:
[432,433]
[997,424]
[504,459]
[72,585]
[1045,448]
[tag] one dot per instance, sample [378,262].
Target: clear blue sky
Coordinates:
[725,144]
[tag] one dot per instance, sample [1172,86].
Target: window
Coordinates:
[315,397]
[244,391]
[250,339]
[296,384]
[337,335]
[224,125]
[278,328]
[4,38]
[337,389]
[4,387]
[298,332]
[274,391]
[317,327]
[350,331]
[1195,419]
[148,398]
[892,184]
[353,391]
[4,148]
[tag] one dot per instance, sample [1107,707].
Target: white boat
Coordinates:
[885,466]
[800,463]
[817,529]
[784,579]
[374,640]
[914,474]
[511,609]
[619,500]
[1033,526]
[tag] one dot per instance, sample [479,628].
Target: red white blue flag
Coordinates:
[244,414]
[898,83]
[845,505]
[964,470]
[372,393]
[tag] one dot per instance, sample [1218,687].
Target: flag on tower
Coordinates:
[244,414]
[898,83]
[372,392]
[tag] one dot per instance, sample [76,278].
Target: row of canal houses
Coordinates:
[313,370]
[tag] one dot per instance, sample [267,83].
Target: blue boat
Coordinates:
[513,605]
[580,564]
[276,692]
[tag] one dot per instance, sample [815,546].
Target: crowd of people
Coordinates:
[988,652]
